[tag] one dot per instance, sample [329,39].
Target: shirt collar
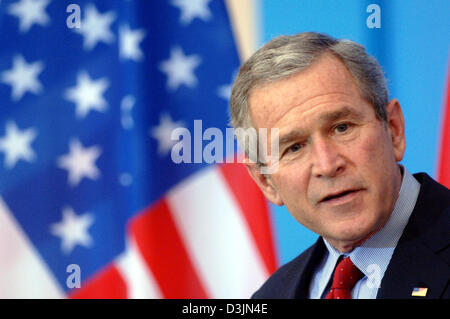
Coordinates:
[376,252]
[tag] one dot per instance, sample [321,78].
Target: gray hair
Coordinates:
[287,55]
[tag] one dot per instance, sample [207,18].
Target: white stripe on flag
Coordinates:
[216,236]
[23,273]
[138,278]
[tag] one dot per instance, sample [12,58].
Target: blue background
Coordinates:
[412,47]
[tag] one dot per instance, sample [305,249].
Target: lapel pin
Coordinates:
[419,292]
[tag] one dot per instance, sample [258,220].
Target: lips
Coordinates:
[338,195]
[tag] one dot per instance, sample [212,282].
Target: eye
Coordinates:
[294,148]
[342,128]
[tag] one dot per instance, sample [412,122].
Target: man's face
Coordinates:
[337,171]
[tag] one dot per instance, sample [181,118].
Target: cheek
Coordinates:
[377,165]
[293,189]
[374,154]
[291,186]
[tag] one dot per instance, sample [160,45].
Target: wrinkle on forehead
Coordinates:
[326,77]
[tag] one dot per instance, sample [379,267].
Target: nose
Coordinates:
[327,160]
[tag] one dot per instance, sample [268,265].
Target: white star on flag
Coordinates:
[17,144]
[126,106]
[224,91]
[95,27]
[23,77]
[129,41]
[80,162]
[30,12]
[73,230]
[180,69]
[88,94]
[162,133]
[191,9]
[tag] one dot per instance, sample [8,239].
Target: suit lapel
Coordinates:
[301,289]
[420,259]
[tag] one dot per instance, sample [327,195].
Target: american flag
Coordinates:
[87,184]
[444,155]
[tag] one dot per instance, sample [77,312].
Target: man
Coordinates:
[384,233]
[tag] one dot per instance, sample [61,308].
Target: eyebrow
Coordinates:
[338,114]
[292,135]
[324,118]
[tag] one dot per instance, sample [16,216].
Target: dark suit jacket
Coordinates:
[421,258]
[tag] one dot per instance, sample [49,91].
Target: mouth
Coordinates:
[340,197]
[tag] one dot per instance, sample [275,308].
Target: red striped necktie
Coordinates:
[345,277]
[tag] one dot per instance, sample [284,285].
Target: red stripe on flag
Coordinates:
[162,248]
[108,284]
[254,208]
[444,158]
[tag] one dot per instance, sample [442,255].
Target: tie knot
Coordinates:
[346,275]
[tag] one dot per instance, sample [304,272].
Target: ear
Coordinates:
[396,127]
[264,183]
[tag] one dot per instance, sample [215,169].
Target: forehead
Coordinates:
[324,85]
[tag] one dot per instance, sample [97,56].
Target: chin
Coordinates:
[354,232]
